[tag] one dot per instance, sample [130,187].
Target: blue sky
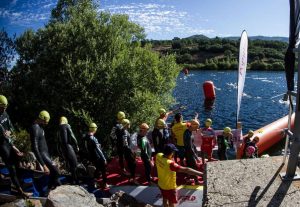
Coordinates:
[166,19]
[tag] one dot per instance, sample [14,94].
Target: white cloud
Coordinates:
[48,6]
[4,13]
[13,2]
[159,19]
[16,14]
[28,13]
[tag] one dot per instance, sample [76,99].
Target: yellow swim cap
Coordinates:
[63,120]
[45,116]
[121,115]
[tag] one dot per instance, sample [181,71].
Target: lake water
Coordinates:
[260,105]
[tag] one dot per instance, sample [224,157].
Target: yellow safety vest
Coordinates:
[166,177]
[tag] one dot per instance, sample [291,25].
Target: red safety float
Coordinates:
[269,135]
[209,90]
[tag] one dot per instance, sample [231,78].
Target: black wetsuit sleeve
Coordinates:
[73,138]
[2,133]
[125,139]
[64,137]
[113,135]
[6,126]
[186,141]
[98,151]
[102,157]
[34,136]
[11,127]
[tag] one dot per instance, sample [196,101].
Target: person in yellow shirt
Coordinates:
[166,170]
[177,134]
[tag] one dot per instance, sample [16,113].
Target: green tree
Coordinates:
[7,55]
[87,66]
[258,65]
[176,44]
[277,66]
[228,53]
[185,58]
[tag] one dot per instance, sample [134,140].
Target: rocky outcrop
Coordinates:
[74,196]
[123,199]
[22,203]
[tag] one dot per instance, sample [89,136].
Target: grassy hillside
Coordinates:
[201,52]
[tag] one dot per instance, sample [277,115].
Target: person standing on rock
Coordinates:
[177,135]
[163,114]
[253,143]
[160,136]
[8,151]
[40,148]
[223,143]
[117,140]
[191,156]
[128,154]
[208,141]
[95,154]
[166,170]
[146,150]
[68,147]
[246,142]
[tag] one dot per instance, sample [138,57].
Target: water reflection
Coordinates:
[209,104]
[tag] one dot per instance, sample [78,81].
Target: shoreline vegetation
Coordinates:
[199,52]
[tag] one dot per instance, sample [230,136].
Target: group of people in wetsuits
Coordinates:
[10,154]
[180,134]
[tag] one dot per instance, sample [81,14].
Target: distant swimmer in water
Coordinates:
[185,71]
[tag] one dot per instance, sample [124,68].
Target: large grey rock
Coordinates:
[22,203]
[16,203]
[74,196]
[249,182]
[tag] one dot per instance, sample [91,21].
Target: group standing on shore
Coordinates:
[169,148]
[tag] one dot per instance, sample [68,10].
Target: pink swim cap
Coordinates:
[250,150]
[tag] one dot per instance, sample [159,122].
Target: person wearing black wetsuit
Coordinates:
[160,136]
[128,154]
[117,139]
[190,148]
[40,148]
[95,154]
[146,150]
[68,147]
[8,152]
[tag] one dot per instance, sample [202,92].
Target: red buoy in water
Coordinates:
[209,90]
